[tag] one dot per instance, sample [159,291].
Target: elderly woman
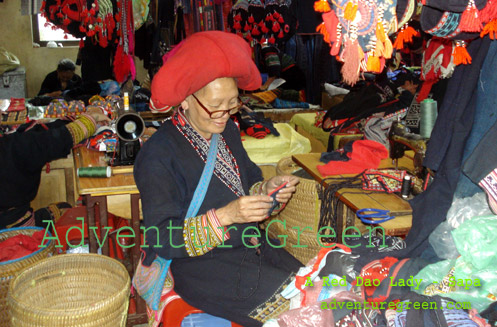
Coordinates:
[60,80]
[221,272]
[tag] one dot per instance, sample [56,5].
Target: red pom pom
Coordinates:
[251,19]
[280,34]
[264,29]
[66,21]
[271,40]
[255,31]
[276,27]
[246,27]
[281,20]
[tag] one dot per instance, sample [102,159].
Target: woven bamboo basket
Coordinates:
[302,211]
[71,290]
[10,269]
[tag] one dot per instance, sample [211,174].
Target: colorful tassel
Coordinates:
[404,36]
[276,27]
[322,30]
[387,53]
[351,61]
[470,20]
[460,54]
[373,64]
[350,11]
[489,12]
[379,48]
[321,6]
[490,29]
[380,32]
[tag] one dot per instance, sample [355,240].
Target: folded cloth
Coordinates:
[342,154]
[365,154]
[18,246]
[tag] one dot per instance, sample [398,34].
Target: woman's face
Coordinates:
[65,76]
[220,94]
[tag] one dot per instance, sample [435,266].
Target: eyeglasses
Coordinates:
[220,113]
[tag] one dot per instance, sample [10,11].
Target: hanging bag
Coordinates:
[149,280]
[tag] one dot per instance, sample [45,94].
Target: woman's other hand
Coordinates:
[245,209]
[286,192]
[98,115]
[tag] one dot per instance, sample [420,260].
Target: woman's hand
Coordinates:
[245,209]
[98,115]
[286,192]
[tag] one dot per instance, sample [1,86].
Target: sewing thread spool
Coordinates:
[428,112]
[406,187]
[126,101]
[94,172]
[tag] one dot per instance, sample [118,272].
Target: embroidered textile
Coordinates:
[274,306]
[226,168]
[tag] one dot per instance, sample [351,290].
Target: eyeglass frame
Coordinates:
[216,111]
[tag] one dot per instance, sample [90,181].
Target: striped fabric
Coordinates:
[489,184]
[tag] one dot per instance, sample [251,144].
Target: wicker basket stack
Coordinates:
[10,269]
[80,290]
[302,211]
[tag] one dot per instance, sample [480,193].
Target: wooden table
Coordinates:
[95,192]
[355,199]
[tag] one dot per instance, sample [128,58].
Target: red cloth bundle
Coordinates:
[19,246]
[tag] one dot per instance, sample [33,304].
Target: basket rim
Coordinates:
[2,263]
[118,293]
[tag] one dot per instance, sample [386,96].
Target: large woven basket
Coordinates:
[69,290]
[302,211]
[10,269]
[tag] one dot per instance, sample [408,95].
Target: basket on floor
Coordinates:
[70,290]
[303,211]
[10,269]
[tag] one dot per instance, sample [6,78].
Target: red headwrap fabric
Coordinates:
[200,59]
[365,154]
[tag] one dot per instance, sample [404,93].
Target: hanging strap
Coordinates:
[203,184]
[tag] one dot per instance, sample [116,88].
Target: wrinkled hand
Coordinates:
[286,192]
[246,209]
[98,115]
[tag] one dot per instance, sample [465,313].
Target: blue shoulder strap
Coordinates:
[203,184]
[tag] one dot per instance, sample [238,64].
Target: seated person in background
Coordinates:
[280,65]
[22,157]
[60,80]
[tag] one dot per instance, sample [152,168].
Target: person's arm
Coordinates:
[33,149]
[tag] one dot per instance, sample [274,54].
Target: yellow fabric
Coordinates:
[272,148]
[306,121]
